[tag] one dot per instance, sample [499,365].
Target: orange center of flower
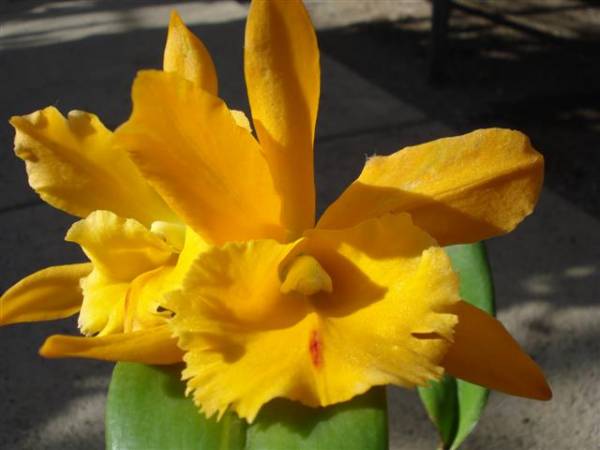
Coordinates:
[315,347]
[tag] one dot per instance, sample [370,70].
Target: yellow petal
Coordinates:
[246,276]
[187,56]
[241,119]
[128,298]
[145,298]
[73,166]
[209,170]
[193,246]
[103,308]
[119,248]
[387,319]
[384,321]
[152,346]
[51,293]
[172,233]
[243,372]
[460,189]
[485,353]
[281,65]
[230,320]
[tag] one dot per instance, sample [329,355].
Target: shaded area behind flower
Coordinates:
[544,88]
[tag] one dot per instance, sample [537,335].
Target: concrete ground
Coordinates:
[375,99]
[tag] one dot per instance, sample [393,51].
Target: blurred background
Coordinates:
[388,80]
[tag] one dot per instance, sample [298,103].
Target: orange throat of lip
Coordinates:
[315,348]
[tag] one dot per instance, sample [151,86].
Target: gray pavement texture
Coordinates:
[375,99]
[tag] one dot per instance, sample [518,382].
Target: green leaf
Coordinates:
[360,424]
[441,402]
[476,286]
[454,405]
[147,409]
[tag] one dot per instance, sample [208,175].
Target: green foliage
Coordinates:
[360,424]
[471,263]
[147,410]
[454,405]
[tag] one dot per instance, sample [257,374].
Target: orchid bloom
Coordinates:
[204,247]
[138,247]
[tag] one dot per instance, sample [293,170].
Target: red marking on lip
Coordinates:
[315,347]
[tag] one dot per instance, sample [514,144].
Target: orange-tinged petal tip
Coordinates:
[485,353]
[187,56]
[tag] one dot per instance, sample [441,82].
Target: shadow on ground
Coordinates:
[545,88]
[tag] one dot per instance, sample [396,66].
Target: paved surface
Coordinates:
[84,54]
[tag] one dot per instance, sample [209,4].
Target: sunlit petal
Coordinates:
[210,170]
[241,119]
[103,308]
[119,248]
[172,233]
[187,56]
[240,337]
[387,319]
[144,306]
[365,306]
[73,166]
[281,65]
[51,293]
[461,189]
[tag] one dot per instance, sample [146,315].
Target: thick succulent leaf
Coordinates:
[472,399]
[441,402]
[147,409]
[454,405]
[471,263]
[359,424]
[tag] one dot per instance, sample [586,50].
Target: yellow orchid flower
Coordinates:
[263,302]
[367,297]
[138,247]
